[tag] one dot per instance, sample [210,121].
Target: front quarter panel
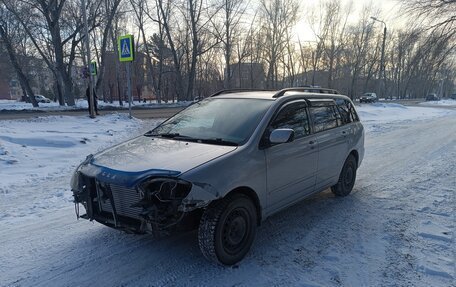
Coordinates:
[244,167]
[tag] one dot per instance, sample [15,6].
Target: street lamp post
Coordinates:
[382,60]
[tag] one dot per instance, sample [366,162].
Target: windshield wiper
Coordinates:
[218,141]
[165,135]
[175,136]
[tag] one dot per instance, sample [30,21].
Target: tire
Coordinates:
[227,229]
[347,178]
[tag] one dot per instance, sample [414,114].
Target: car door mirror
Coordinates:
[279,136]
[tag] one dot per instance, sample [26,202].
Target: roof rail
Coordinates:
[228,91]
[306,89]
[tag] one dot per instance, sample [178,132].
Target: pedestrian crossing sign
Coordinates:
[126,48]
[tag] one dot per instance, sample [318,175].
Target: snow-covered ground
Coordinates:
[8,105]
[379,117]
[444,102]
[34,154]
[397,228]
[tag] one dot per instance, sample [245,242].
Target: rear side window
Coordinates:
[324,118]
[293,116]
[347,111]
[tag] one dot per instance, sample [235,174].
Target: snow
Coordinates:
[444,102]
[379,117]
[11,105]
[37,152]
[397,228]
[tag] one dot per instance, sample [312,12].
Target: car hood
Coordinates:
[144,154]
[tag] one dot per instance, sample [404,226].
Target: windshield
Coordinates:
[216,121]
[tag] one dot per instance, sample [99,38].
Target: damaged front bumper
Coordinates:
[156,205]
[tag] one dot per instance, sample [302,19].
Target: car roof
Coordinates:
[280,94]
[266,95]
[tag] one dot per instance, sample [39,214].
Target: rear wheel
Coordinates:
[347,177]
[227,229]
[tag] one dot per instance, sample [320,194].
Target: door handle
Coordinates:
[312,144]
[344,133]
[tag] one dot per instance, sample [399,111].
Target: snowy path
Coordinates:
[396,229]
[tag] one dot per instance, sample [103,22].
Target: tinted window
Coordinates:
[293,116]
[347,111]
[324,118]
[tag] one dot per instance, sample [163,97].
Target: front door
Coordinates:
[291,167]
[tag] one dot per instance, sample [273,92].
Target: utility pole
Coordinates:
[86,31]
[382,60]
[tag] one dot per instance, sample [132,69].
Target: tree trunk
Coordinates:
[20,74]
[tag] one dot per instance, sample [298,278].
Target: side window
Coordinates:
[338,116]
[344,111]
[293,116]
[353,113]
[347,111]
[324,118]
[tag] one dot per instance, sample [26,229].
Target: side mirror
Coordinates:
[279,136]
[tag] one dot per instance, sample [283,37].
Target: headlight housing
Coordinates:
[165,189]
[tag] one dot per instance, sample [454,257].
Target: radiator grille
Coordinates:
[124,198]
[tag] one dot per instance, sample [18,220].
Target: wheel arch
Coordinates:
[356,155]
[250,193]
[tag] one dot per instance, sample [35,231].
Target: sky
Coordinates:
[390,14]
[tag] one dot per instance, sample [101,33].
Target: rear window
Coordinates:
[347,111]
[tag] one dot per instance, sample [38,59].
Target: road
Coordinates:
[397,228]
[156,113]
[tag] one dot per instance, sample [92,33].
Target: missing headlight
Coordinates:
[166,189]
[160,201]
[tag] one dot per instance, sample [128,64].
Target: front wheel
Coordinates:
[227,229]
[347,177]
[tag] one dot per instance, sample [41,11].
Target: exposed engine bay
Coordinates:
[154,206]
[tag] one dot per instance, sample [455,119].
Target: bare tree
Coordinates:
[109,9]
[359,39]
[9,31]
[277,19]
[54,30]
[437,13]
[229,32]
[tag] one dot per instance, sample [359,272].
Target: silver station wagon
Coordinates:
[223,165]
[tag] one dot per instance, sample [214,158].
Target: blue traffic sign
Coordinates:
[126,50]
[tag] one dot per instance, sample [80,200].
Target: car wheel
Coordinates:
[347,178]
[227,229]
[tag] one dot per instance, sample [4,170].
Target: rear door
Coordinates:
[291,167]
[331,136]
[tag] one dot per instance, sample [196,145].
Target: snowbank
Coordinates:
[10,105]
[38,155]
[446,102]
[378,117]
